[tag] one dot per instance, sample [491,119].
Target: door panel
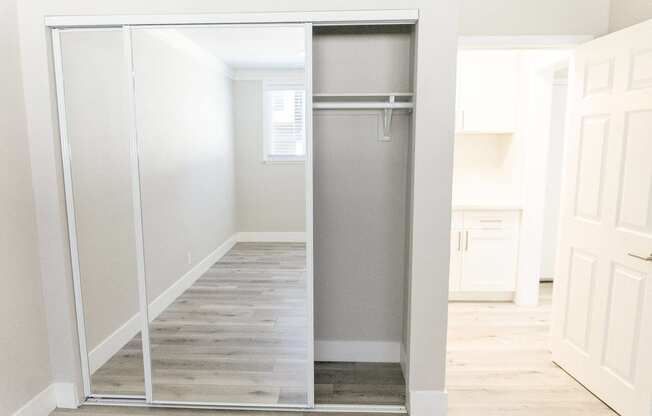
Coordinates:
[602,304]
[103,212]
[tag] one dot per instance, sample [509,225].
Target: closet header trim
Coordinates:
[343,17]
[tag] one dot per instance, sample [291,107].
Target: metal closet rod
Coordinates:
[361,105]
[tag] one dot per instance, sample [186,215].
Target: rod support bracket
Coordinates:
[387,121]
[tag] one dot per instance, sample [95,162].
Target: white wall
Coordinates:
[624,13]
[487,169]
[270,196]
[553,180]
[430,217]
[24,361]
[534,17]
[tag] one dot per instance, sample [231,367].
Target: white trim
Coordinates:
[358,408]
[268,237]
[522,42]
[66,395]
[166,298]
[113,343]
[40,405]
[61,395]
[134,168]
[70,209]
[358,351]
[322,17]
[427,403]
[308,235]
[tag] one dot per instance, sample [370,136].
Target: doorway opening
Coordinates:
[509,148]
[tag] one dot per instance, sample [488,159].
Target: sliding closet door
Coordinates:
[229,320]
[94,112]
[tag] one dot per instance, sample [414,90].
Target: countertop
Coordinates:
[488,206]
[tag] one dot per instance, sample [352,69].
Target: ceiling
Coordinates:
[253,47]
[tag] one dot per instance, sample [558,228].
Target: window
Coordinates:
[284,133]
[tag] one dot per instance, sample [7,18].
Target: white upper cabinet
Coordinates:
[486,91]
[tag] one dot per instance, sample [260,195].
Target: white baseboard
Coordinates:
[41,404]
[67,397]
[266,237]
[166,298]
[427,403]
[62,395]
[113,343]
[358,351]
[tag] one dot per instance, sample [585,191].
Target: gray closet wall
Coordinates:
[361,186]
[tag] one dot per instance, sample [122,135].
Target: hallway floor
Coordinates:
[499,363]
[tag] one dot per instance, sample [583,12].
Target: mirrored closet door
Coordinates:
[102,217]
[228,318]
[185,153]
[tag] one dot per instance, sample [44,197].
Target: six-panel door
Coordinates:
[602,322]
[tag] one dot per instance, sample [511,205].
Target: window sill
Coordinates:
[283,162]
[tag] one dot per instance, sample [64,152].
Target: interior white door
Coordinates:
[602,308]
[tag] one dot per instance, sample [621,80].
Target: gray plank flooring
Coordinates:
[238,335]
[359,383]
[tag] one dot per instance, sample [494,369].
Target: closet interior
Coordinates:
[238,202]
[362,83]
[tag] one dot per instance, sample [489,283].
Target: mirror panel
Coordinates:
[219,114]
[97,105]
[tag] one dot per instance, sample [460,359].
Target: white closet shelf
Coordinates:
[351,101]
[363,94]
[388,102]
[353,105]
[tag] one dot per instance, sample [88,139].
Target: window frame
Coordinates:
[269,85]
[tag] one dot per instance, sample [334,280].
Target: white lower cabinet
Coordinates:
[484,255]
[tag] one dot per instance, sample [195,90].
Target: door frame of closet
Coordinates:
[125,24]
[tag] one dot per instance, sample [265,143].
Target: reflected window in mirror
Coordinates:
[284,134]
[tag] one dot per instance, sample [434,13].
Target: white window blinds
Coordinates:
[285,134]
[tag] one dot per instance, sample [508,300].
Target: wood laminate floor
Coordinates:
[499,363]
[238,335]
[359,383]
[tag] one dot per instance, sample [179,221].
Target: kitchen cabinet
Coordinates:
[486,91]
[484,254]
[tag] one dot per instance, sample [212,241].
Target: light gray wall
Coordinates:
[626,13]
[360,187]
[270,196]
[360,200]
[24,361]
[433,133]
[186,140]
[98,131]
[185,131]
[533,17]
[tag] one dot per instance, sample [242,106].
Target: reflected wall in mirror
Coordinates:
[97,105]
[220,122]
